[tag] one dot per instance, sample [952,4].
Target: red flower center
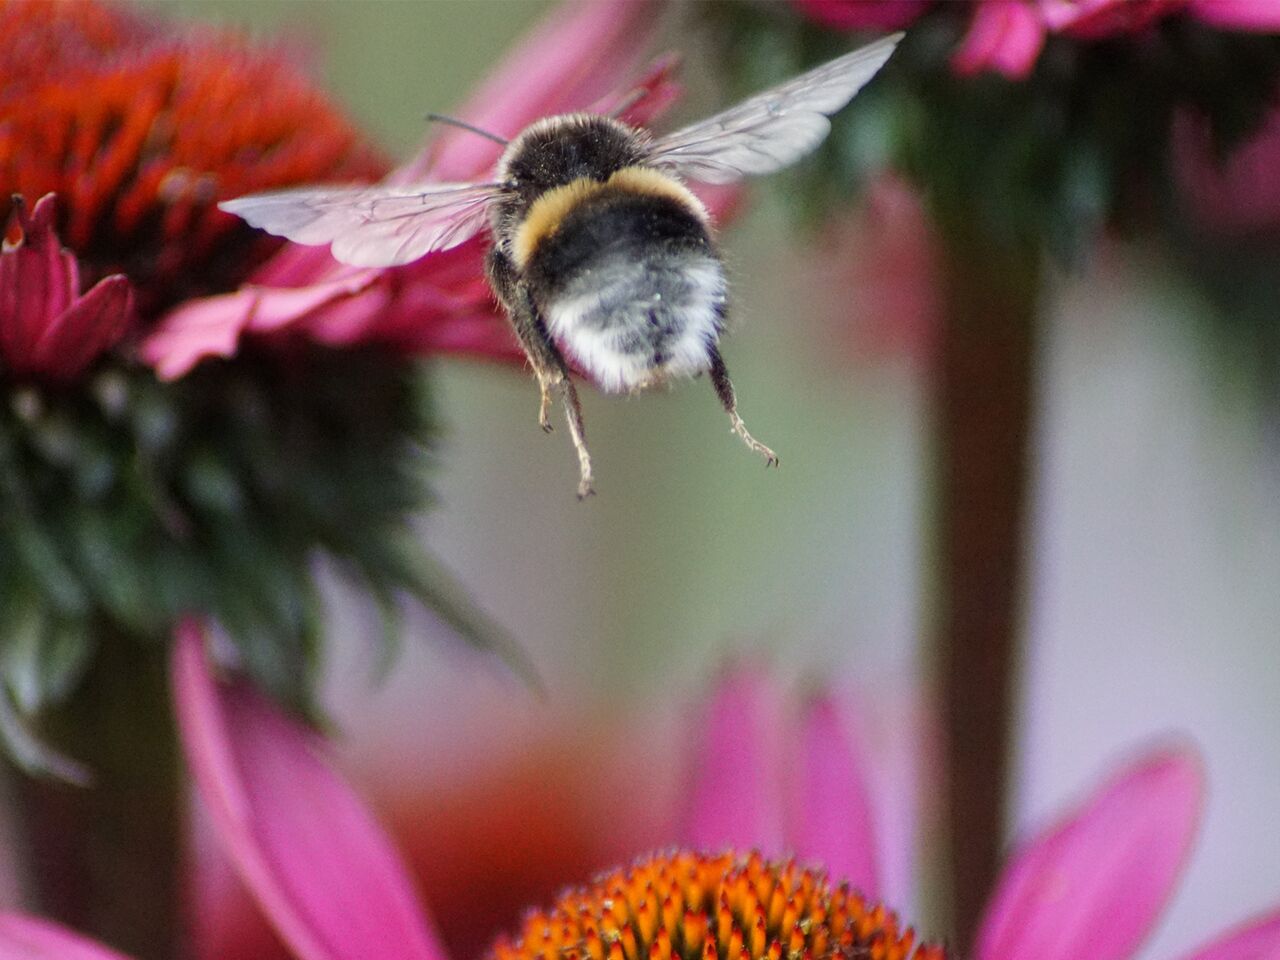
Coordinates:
[141,130]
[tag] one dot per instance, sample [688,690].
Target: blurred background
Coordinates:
[1155,556]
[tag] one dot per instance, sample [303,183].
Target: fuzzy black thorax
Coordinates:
[559,150]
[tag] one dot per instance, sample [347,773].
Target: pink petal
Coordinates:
[734,795]
[323,871]
[1094,885]
[862,14]
[26,938]
[38,281]
[212,326]
[833,821]
[583,51]
[1258,940]
[1005,35]
[1260,15]
[82,332]
[1097,19]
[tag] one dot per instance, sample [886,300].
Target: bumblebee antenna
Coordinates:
[454,122]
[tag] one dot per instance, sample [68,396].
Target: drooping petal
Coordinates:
[1005,36]
[831,812]
[1093,885]
[321,868]
[1258,940]
[734,793]
[582,52]
[27,938]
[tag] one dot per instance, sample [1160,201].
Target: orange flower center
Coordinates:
[141,129]
[695,907]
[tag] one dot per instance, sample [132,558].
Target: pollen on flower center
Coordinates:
[689,906]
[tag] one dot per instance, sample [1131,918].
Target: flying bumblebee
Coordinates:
[599,249]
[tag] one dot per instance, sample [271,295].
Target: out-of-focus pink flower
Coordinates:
[863,14]
[1091,885]
[585,53]
[1235,196]
[1005,36]
[48,329]
[881,263]
[1098,19]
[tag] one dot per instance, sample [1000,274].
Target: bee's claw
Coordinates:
[544,407]
[770,458]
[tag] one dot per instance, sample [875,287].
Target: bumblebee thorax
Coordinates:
[557,150]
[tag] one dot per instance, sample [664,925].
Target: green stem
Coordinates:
[105,859]
[984,407]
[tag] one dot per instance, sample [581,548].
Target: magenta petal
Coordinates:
[212,326]
[322,870]
[38,281]
[863,14]
[1258,940]
[90,326]
[1005,35]
[26,938]
[734,798]
[833,823]
[1094,885]
[1260,15]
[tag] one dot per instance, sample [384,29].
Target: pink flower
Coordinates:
[48,329]
[1090,885]
[583,54]
[863,14]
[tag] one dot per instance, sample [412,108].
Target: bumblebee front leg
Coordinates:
[724,390]
[544,356]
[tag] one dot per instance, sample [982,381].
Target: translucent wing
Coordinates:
[775,128]
[374,226]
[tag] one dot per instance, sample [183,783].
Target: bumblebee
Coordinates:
[599,249]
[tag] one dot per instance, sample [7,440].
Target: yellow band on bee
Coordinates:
[550,209]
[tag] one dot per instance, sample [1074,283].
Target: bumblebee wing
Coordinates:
[372,226]
[775,128]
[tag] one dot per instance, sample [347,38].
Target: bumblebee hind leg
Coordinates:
[724,390]
[545,358]
[573,411]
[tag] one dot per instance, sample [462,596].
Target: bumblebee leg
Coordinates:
[543,355]
[724,390]
[573,411]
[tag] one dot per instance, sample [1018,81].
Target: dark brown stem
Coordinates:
[105,859]
[984,406]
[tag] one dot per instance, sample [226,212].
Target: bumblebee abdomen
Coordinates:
[630,283]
